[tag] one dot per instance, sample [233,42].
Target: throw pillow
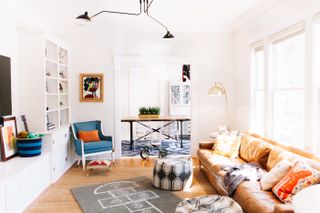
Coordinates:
[300,176]
[275,174]
[227,146]
[89,136]
[223,130]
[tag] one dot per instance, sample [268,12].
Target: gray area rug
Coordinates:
[132,195]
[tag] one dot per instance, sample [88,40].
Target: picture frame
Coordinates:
[91,87]
[8,134]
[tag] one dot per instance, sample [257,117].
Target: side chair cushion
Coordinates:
[97,146]
[89,136]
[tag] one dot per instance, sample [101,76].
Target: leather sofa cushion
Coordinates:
[277,154]
[215,162]
[251,198]
[254,150]
[283,208]
[206,144]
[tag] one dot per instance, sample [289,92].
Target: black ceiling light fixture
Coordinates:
[144,8]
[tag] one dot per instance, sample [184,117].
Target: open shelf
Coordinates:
[57,85]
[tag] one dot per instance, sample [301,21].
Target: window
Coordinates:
[316,77]
[257,117]
[287,89]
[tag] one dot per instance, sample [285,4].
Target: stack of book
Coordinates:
[51,126]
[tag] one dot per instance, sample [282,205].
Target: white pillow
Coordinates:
[272,177]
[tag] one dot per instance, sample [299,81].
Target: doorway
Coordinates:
[162,83]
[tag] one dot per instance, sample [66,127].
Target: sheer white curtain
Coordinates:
[287,88]
[257,103]
[316,82]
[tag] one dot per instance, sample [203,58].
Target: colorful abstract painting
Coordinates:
[91,87]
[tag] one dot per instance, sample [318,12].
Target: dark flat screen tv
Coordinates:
[5,86]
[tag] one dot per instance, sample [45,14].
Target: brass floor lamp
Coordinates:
[219,90]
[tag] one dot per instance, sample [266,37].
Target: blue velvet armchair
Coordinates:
[83,150]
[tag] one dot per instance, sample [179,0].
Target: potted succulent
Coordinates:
[149,112]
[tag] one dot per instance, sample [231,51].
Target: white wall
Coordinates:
[8,47]
[213,55]
[284,14]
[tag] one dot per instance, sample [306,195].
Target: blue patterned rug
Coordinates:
[172,147]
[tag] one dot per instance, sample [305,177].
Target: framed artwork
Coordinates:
[8,133]
[186,72]
[91,87]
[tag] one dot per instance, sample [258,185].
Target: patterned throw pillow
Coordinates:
[227,146]
[300,176]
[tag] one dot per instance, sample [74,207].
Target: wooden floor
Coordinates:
[58,197]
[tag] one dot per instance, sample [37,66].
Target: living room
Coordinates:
[153,106]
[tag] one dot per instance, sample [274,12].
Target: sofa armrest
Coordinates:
[283,208]
[206,144]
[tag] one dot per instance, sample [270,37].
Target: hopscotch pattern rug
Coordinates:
[125,196]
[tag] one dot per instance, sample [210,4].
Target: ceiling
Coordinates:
[181,16]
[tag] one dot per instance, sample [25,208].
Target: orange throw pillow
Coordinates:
[300,176]
[89,136]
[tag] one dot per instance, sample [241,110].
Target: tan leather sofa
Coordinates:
[254,148]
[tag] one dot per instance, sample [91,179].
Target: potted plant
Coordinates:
[149,112]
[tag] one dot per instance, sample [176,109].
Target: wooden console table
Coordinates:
[169,119]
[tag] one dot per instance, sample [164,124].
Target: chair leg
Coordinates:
[78,161]
[83,162]
[112,157]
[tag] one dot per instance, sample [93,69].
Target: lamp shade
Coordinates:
[168,35]
[84,17]
[217,90]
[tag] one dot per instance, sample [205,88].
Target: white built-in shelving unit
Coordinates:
[57,84]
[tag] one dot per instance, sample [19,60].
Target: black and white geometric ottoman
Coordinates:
[173,173]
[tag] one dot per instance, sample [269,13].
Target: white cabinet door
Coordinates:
[60,152]
[2,198]
[41,175]
[55,155]
[19,191]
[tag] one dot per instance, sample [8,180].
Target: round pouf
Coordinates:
[209,203]
[172,174]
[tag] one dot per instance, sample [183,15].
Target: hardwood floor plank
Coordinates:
[58,197]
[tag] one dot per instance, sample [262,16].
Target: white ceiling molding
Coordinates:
[254,12]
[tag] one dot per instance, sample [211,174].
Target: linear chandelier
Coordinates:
[144,8]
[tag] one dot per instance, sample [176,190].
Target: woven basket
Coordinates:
[29,147]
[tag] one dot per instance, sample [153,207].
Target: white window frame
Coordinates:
[284,35]
[316,83]
[257,47]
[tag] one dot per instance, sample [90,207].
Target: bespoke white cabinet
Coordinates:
[22,180]
[2,198]
[57,143]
